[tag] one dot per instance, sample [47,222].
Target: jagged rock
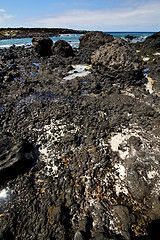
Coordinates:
[129,37]
[152,42]
[62,48]
[120,61]
[94,39]
[89,42]
[121,221]
[100,236]
[15,157]
[83,180]
[78,236]
[42,46]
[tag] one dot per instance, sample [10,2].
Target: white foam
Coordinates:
[17,45]
[5,46]
[65,35]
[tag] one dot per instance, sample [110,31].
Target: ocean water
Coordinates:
[72,39]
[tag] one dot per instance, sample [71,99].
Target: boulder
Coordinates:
[153,42]
[42,46]
[94,39]
[129,37]
[121,221]
[16,157]
[62,48]
[120,61]
[90,42]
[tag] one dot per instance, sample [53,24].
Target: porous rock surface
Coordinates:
[42,45]
[119,60]
[97,170]
[16,157]
[94,39]
[62,48]
[153,42]
[91,41]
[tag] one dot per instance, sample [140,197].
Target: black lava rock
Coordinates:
[42,46]
[16,157]
[62,48]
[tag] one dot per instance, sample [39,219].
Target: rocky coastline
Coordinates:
[11,33]
[80,140]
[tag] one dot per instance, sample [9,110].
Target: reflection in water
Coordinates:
[36,64]
[6,199]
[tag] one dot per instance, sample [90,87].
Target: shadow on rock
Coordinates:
[16,157]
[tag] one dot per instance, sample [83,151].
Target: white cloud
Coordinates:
[86,19]
[4,16]
[2,10]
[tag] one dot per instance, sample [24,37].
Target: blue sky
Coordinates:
[105,15]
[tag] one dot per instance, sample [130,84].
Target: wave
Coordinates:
[17,45]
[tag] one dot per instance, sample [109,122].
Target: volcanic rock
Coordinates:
[15,157]
[121,217]
[153,42]
[94,39]
[78,236]
[97,171]
[42,46]
[120,61]
[2,36]
[129,37]
[62,48]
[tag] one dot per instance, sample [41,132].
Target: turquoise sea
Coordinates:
[73,39]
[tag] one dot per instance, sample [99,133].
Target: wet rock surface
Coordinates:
[96,175]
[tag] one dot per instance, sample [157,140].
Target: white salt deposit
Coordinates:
[149,84]
[152,174]
[121,138]
[121,170]
[78,71]
[156,53]
[119,187]
[128,94]
[116,140]
[120,179]
[145,59]
[53,133]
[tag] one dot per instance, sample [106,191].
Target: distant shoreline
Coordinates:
[14,33]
